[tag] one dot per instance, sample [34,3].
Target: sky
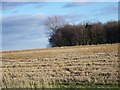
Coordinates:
[23,22]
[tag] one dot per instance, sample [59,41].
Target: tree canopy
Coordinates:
[65,34]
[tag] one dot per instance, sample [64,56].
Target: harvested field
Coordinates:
[46,67]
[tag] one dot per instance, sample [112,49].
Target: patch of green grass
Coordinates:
[93,86]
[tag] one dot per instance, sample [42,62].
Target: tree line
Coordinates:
[65,34]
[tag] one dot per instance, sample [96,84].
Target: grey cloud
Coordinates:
[13,5]
[24,29]
[75,4]
[18,23]
[10,5]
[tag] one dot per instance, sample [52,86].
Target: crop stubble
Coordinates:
[76,64]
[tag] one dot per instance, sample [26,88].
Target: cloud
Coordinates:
[75,4]
[73,18]
[60,0]
[28,31]
[24,31]
[22,21]
[14,5]
[10,5]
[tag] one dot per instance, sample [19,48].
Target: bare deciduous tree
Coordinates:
[54,23]
[66,34]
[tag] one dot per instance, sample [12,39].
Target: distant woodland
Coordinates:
[65,34]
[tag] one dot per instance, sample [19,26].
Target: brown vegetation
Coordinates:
[65,34]
[76,64]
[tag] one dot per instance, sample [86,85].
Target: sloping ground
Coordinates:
[77,64]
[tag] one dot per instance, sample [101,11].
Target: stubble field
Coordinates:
[61,67]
